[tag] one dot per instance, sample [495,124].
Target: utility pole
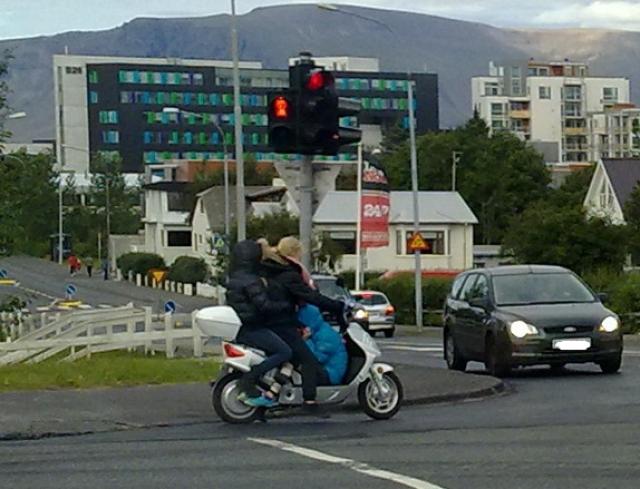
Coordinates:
[237,111]
[416,208]
[306,208]
[108,212]
[455,157]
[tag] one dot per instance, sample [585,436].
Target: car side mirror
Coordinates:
[604,298]
[480,303]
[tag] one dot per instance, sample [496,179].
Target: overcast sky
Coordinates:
[25,18]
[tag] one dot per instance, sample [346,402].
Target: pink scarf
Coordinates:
[306,276]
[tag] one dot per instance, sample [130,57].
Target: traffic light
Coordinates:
[283,131]
[305,118]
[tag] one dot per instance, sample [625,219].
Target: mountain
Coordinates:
[403,41]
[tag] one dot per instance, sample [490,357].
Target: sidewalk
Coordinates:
[39,414]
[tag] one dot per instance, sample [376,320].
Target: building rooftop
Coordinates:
[624,175]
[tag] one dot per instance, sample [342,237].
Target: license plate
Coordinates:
[578,344]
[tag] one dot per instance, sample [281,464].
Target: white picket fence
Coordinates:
[82,333]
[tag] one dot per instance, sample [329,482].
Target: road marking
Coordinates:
[414,348]
[631,353]
[348,463]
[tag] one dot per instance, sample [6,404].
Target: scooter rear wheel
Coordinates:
[227,405]
[379,406]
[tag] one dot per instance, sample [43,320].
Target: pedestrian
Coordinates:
[105,268]
[73,264]
[89,263]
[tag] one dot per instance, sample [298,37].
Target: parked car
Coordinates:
[334,288]
[528,315]
[382,315]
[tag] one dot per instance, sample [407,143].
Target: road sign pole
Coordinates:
[359,221]
[306,208]
[416,208]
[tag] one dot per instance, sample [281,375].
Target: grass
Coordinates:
[112,369]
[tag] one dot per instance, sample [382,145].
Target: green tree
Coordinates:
[273,226]
[632,218]
[28,203]
[499,176]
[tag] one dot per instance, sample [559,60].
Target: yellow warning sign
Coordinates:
[417,243]
[158,275]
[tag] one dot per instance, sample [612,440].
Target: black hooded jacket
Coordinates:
[246,290]
[285,283]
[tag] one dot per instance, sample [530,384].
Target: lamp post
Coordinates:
[227,224]
[237,111]
[414,164]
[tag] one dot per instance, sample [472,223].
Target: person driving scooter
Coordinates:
[284,273]
[247,295]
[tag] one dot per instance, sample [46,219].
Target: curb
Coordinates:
[500,387]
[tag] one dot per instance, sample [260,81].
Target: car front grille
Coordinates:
[568,330]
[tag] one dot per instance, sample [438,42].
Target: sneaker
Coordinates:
[261,401]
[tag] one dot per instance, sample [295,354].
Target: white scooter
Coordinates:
[379,389]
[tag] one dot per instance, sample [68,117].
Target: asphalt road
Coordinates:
[42,281]
[578,429]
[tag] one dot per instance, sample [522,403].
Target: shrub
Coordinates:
[139,263]
[349,277]
[401,292]
[188,270]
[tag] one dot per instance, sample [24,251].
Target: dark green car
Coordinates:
[528,315]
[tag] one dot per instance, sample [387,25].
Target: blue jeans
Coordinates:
[276,349]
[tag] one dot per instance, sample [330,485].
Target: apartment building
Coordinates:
[548,104]
[117,105]
[615,133]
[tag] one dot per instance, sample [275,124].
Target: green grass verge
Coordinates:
[107,370]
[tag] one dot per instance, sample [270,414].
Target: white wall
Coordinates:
[594,87]
[546,114]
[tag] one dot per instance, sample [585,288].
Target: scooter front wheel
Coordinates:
[226,403]
[381,405]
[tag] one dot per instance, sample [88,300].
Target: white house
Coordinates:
[611,186]
[167,219]
[446,224]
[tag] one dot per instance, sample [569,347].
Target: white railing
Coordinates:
[82,333]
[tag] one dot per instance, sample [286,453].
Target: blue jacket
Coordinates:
[325,343]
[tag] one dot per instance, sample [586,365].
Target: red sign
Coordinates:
[375,220]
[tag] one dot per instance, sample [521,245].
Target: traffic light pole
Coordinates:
[416,208]
[305,181]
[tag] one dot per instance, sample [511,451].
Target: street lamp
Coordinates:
[414,159]
[237,111]
[175,110]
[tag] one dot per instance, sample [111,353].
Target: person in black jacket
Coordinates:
[247,295]
[285,282]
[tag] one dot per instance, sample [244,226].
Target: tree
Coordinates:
[548,234]
[28,203]
[498,175]
[632,218]
[253,175]
[273,227]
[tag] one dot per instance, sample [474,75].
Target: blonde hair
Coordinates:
[268,251]
[289,246]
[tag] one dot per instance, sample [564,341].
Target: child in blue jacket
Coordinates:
[325,343]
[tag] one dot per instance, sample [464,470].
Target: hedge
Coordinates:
[401,292]
[349,277]
[188,270]
[139,263]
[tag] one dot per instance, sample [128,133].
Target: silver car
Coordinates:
[382,315]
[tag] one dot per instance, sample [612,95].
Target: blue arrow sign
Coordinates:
[71,290]
[170,307]
[3,273]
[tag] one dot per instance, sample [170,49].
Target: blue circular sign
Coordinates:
[71,290]
[170,307]
[3,273]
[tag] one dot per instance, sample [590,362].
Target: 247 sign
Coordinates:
[377,210]
[375,220]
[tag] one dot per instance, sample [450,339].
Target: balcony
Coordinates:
[520,114]
[575,131]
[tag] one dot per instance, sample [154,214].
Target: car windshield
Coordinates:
[331,289]
[547,288]
[369,299]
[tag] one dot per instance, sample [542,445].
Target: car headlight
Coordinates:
[361,314]
[520,329]
[609,325]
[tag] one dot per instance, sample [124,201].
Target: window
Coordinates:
[110,137]
[491,88]
[465,293]
[93,97]
[457,286]
[76,70]
[544,92]
[346,240]
[433,239]
[609,94]
[480,288]
[178,238]
[178,201]
[108,117]
[497,109]
[516,86]
[573,92]
[371,299]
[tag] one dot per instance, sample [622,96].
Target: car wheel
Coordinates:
[611,365]
[455,360]
[495,361]
[388,333]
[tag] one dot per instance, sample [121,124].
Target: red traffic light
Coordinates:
[319,79]
[280,108]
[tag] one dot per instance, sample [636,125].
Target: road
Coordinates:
[577,429]
[42,281]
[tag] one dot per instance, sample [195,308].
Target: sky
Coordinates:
[27,18]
